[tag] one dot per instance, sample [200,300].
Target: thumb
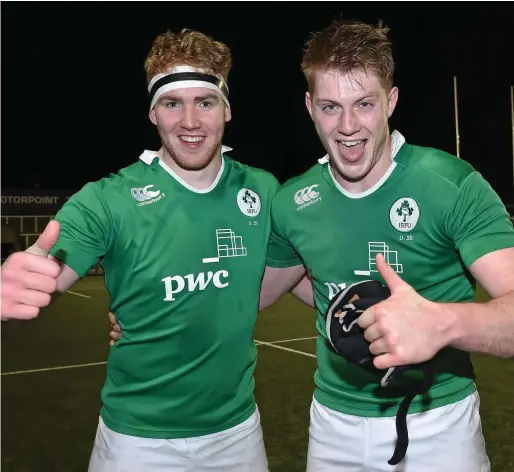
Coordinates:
[391,278]
[47,240]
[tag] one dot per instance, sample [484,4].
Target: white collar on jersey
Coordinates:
[397,141]
[148,157]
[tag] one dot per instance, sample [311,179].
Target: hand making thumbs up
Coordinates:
[29,278]
[404,329]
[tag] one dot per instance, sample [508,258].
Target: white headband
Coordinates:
[186,77]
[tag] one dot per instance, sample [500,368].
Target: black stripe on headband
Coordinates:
[168,79]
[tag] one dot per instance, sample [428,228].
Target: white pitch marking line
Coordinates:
[308,354]
[91,289]
[78,294]
[53,368]
[290,340]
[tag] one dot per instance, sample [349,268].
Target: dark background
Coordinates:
[74,103]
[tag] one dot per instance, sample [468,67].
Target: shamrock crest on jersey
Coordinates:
[249,202]
[404,214]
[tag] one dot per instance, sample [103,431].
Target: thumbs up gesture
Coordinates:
[404,329]
[30,277]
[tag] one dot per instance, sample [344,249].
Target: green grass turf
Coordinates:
[49,418]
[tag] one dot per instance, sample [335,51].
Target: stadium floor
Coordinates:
[53,369]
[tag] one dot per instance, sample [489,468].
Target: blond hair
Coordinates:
[346,46]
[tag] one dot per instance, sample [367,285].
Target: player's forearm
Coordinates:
[278,281]
[67,277]
[303,291]
[483,327]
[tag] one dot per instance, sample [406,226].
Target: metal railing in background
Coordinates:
[28,227]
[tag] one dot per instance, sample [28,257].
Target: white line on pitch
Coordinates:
[53,368]
[90,289]
[290,340]
[308,354]
[78,294]
[48,369]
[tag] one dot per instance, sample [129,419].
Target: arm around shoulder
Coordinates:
[278,281]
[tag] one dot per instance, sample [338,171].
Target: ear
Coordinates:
[308,103]
[228,114]
[393,100]
[152,117]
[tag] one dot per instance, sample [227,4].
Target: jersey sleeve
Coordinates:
[280,251]
[86,230]
[478,222]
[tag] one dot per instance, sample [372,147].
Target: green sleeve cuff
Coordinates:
[73,258]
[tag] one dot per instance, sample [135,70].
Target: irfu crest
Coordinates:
[405,210]
[249,199]
[404,214]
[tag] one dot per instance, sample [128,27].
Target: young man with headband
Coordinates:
[437,223]
[182,235]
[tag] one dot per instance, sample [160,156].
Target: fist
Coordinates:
[29,278]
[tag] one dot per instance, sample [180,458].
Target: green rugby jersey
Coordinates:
[432,215]
[183,268]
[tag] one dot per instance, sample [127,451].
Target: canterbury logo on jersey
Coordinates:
[146,196]
[307,196]
[143,194]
